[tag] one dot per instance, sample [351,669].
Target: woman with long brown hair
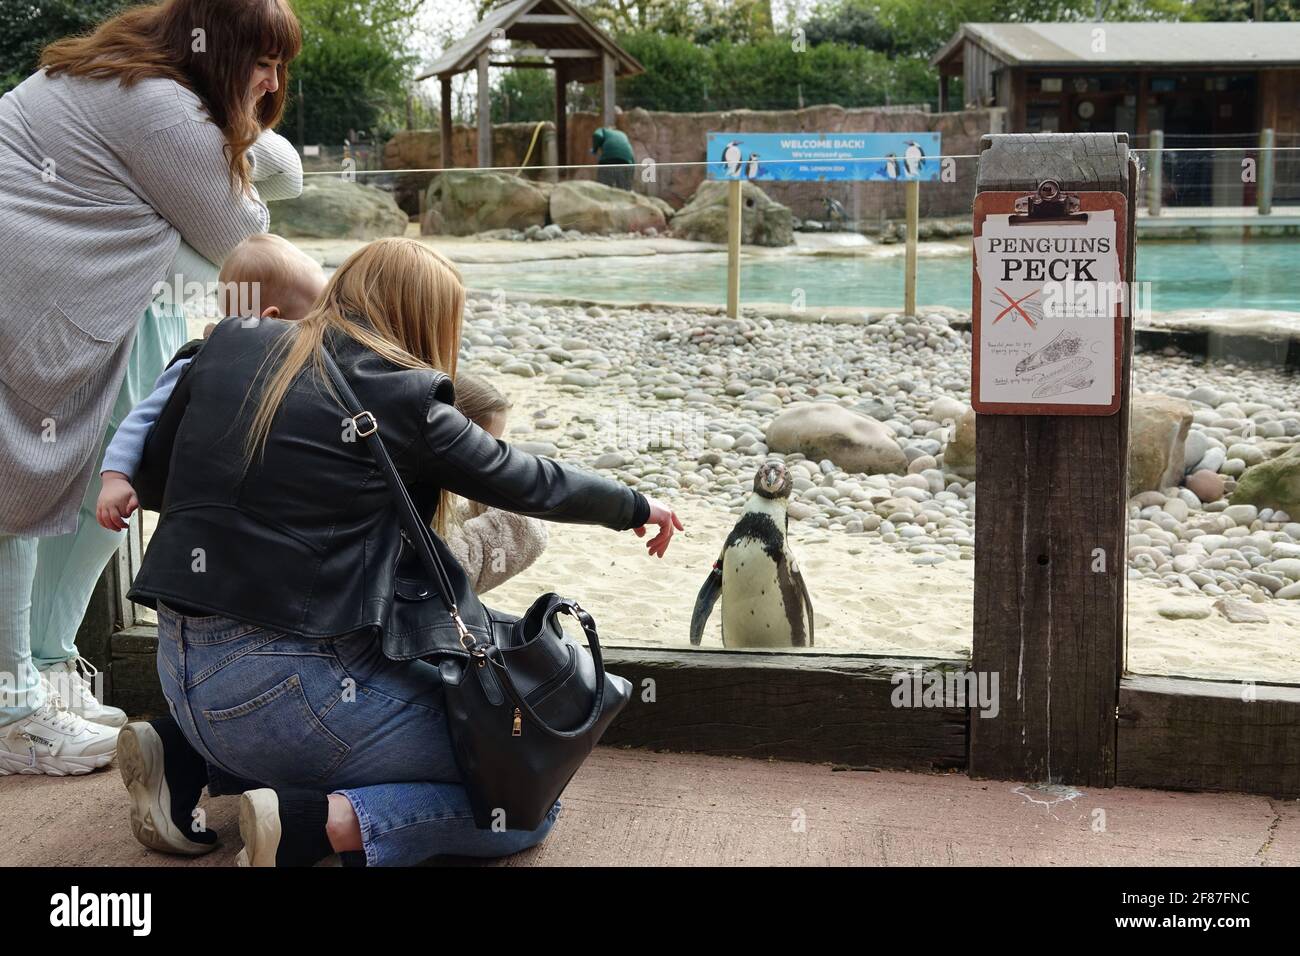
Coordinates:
[276,557]
[134,154]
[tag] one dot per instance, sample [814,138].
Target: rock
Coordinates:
[1213,459]
[1206,485]
[1240,612]
[1194,449]
[593,207]
[471,201]
[1183,611]
[549,449]
[1157,441]
[1271,484]
[945,410]
[334,208]
[959,453]
[764,221]
[1250,454]
[821,430]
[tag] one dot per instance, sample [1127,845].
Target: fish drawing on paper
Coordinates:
[1066,345]
[1071,377]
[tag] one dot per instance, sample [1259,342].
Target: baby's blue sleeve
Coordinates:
[127,447]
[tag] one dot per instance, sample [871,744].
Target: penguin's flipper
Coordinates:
[705,600]
[807,601]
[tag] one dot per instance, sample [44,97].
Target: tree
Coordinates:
[28,26]
[524,96]
[354,68]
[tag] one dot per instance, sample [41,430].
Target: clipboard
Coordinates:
[1039,344]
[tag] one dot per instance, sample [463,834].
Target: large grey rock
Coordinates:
[464,202]
[1157,442]
[334,208]
[764,221]
[596,208]
[821,430]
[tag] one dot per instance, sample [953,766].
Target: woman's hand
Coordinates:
[667,520]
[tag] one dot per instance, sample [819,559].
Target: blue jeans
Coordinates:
[334,715]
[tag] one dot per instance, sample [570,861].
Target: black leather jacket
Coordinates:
[305,540]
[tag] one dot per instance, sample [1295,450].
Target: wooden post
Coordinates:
[1050,561]
[1264,181]
[484,113]
[913,228]
[1155,172]
[607,88]
[735,209]
[561,119]
[444,124]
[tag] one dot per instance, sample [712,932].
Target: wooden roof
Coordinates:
[553,29]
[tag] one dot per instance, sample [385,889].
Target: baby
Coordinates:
[491,545]
[281,274]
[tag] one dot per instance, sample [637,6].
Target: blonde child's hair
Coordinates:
[282,274]
[477,400]
[397,297]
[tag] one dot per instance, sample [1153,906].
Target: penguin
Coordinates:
[913,158]
[731,158]
[765,602]
[751,170]
[891,166]
[834,210]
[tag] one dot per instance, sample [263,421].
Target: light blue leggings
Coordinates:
[46,583]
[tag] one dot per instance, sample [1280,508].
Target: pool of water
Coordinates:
[1208,274]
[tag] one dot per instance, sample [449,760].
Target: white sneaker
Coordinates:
[55,741]
[71,680]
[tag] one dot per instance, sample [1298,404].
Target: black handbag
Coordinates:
[525,702]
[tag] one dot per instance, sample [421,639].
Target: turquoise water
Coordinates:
[1183,275]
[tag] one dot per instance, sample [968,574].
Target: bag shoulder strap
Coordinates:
[414,530]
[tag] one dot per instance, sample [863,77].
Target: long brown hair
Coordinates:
[163,40]
[398,298]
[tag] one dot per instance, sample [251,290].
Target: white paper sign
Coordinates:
[1048,295]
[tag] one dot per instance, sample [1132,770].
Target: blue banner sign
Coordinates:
[821,157]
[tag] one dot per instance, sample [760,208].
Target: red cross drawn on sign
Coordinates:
[1015,304]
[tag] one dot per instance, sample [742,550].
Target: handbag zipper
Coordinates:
[518,728]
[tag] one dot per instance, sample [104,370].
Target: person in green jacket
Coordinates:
[615,157]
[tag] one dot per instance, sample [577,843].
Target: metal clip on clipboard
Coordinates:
[1048,204]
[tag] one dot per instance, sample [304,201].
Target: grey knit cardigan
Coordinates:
[99,184]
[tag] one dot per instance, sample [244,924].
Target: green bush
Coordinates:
[769,74]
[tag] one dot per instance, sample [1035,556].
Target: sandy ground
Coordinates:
[868,597]
[636,808]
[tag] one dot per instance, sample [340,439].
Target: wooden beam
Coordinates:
[444,122]
[561,118]
[1183,734]
[607,89]
[808,707]
[1049,545]
[553,54]
[550,18]
[484,113]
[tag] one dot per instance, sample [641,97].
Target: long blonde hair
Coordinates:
[161,40]
[398,298]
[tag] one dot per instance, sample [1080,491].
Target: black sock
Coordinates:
[353,858]
[303,815]
[186,774]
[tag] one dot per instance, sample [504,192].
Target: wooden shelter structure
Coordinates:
[557,36]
